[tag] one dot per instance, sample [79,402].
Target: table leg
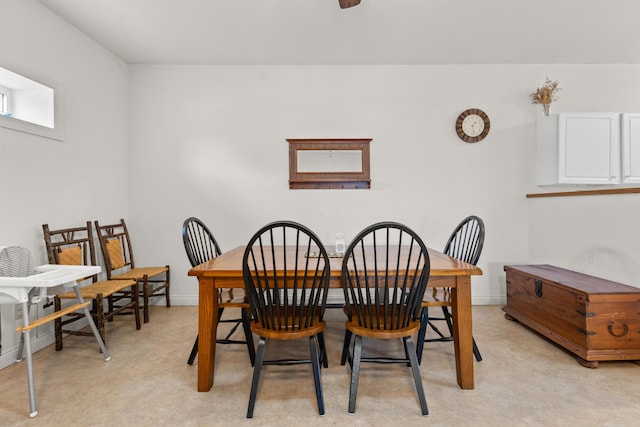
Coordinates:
[463,331]
[207,332]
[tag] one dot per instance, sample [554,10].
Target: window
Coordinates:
[4,99]
[30,105]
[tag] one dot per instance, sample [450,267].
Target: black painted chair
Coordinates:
[201,246]
[286,274]
[384,276]
[465,243]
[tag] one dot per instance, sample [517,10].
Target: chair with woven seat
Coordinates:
[465,243]
[385,271]
[201,246]
[286,274]
[75,246]
[117,253]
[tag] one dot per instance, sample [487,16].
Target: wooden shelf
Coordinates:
[586,192]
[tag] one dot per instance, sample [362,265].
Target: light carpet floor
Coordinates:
[524,380]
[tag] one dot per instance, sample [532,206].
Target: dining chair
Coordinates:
[117,253]
[75,246]
[465,243]
[385,271]
[201,246]
[286,274]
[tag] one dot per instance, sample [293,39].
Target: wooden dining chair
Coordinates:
[75,246]
[201,246]
[117,253]
[465,243]
[286,274]
[385,271]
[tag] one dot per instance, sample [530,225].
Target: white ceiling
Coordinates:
[375,32]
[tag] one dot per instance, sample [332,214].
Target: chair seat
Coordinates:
[289,333]
[385,331]
[140,272]
[354,327]
[437,297]
[105,287]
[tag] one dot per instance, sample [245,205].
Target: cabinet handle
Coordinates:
[538,288]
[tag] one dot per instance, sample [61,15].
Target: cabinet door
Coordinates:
[631,148]
[589,148]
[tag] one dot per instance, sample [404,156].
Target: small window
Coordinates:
[30,105]
[4,99]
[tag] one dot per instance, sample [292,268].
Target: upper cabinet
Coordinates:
[631,148]
[588,148]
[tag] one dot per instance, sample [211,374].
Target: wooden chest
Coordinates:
[594,318]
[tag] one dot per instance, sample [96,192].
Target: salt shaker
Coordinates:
[339,243]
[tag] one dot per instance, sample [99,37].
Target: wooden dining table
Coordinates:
[225,271]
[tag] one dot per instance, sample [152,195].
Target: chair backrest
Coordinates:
[70,246]
[466,241]
[116,246]
[199,242]
[384,276]
[16,261]
[286,274]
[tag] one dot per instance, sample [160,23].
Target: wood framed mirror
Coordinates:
[329,164]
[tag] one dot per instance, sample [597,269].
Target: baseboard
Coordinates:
[9,354]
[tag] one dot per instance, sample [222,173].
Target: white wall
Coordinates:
[211,141]
[218,138]
[63,183]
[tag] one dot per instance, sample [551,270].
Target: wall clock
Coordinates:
[473,125]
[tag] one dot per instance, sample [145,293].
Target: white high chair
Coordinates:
[21,283]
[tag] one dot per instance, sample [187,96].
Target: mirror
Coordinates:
[329,164]
[329,161]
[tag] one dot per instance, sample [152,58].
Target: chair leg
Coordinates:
[110,305]
[355,373]
[246,325]
[345,347]
[98,305]
[145,298]
[323,351]
[194,352]
[408,342]
[135,290]
[447,316]
[58,323]
[424,320]
[315,364]
[33,406]
[256,377]
[476,351]
[166,290]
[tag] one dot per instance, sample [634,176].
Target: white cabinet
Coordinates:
[631,148]
[582,148]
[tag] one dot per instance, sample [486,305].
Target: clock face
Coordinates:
[473,125]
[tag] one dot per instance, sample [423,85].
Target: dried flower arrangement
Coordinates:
[546,94]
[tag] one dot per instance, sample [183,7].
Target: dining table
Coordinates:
[225,271]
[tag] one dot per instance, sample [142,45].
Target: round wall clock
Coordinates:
[473,125]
